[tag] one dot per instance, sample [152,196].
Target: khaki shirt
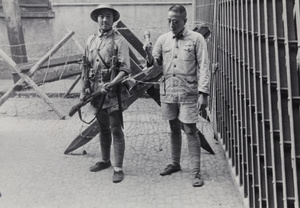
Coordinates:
[103,44]
[185,66]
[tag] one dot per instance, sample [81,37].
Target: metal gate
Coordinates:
[255,94]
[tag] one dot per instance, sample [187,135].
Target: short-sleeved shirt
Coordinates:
[104,44]
[185,66]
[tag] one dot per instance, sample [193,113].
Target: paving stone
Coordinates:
[35,173]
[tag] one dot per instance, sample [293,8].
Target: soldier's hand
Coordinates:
[105,88]
[81,96]
[87,91]
[148,48]
[202,102]
[83,93]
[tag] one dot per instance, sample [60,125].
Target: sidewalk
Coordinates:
[35,172]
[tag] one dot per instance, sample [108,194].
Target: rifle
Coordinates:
[88,98]
[89,74]
[129,81]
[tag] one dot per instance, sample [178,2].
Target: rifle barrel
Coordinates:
[75,108]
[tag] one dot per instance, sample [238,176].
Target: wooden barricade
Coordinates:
[137,91]
[27,74]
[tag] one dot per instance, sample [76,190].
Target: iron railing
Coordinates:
[255,94]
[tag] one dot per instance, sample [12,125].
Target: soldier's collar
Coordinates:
[102,33]
[181,34]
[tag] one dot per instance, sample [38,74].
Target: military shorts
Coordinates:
[185,112]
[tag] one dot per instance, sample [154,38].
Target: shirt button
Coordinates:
[174,65]
[175,56]
[97,60]
[174,75]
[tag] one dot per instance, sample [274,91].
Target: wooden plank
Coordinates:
[50,53]
[35,67]
[27,79]
[78,76]
[73,59]
[73,85]
[134,58]
[51,77]
[134,64]
[31,72]
[131,38]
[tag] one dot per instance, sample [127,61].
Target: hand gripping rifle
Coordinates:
[97,94]
[89,98]
[130,82]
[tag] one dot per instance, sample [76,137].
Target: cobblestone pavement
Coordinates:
[35,173]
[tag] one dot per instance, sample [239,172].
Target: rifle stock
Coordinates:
[75,108]
[93,96]
[85,101]
[98,93]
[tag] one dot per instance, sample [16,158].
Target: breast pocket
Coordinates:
[92,53]
[167,54]
[188,53]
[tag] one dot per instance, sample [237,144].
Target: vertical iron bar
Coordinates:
[258,183]
[261,113]
[293,145]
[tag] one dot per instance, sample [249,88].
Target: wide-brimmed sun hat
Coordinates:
[95,12]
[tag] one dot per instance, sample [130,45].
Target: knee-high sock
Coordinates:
[118,138]
[105,135]
[194,146]
[176,141]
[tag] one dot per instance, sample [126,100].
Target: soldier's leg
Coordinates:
[170,112]
[105,134]
[118,138]
[195,153]
[193,146]
[119,145]
[105,142]
[189,117]
[176,141]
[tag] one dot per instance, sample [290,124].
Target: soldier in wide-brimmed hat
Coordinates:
[95,12]
[99,52]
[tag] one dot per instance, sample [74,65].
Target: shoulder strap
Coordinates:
[105,64]
[112,51]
